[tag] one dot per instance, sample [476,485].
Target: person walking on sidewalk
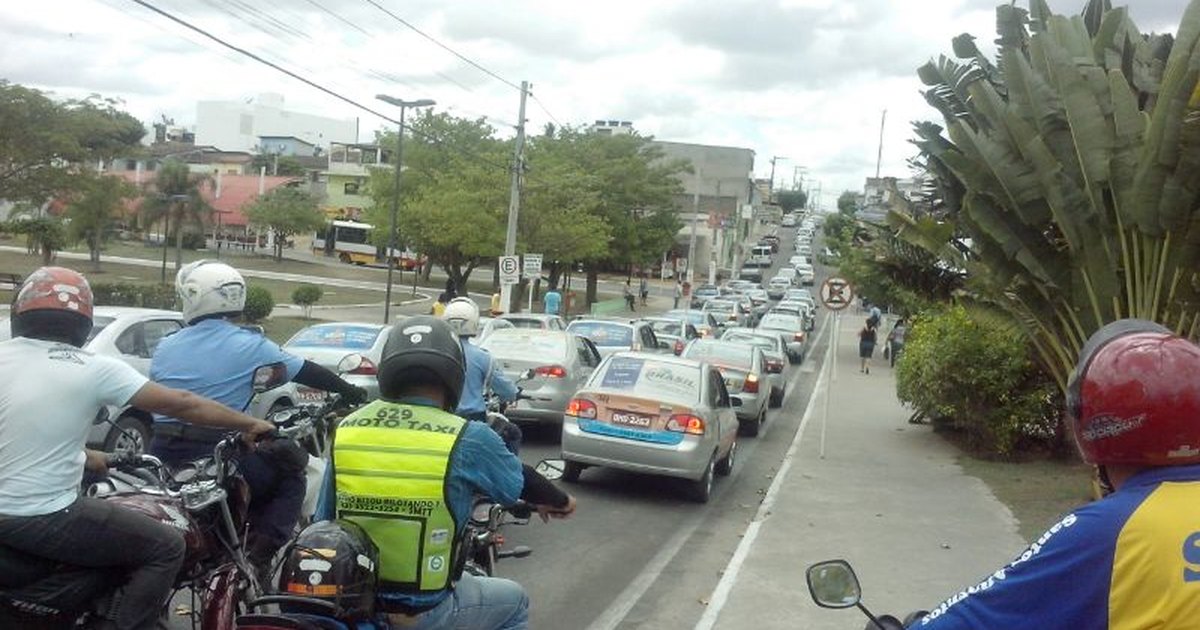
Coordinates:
[678,292]
[643,289]
[895,340]
[552,301]
[1131,560]
[866,345]
[628,295]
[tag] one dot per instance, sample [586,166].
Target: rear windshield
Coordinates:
[693,317]
[637,376]
[519,322]
[523,344]
[706,289]
[347,337]
[780,321]
[604,334]
[755,340]
[762,250]
[730,354]
[719,306]
[666,328]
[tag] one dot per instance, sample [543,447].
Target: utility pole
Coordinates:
[879,158]
[514,196]
[691,276]
[771,186]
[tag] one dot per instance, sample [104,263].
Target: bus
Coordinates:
[350,242]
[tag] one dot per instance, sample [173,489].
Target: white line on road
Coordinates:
[720,595]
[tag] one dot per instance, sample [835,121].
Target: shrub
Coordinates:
[978,379]
[259,304]
[128,294]
[306,295]
[193,241]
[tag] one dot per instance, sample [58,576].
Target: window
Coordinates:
[155,331]
[585,353]
[350,188]
[129,341]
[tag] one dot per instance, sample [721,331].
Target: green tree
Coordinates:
[454,193]
[43,234]
[259,304]
[1074,167]
[93,211]
[283,165]
[305,296]
[175,196]
[847,203]
[46,142]
[286,211]
[791,200]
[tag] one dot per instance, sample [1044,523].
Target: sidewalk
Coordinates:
[888,497]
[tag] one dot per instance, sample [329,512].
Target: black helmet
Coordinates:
[335,562]
[422,350]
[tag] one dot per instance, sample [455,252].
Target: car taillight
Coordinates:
[686,423]
[581,408]
[365,368]
[551,371]
[750,385]
[798,336]
[732,316]
[678,347]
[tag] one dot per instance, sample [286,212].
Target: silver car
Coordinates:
[327,344]
[487,325]
[544,321]
[673,331]
[653,414]
[773,349]
[561,362]
[744,369]
[611,336]
[790,328]
[730,312]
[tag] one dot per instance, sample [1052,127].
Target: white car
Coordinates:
[789,273]
[326,344]
[777,286]
[789,220]
[806,274]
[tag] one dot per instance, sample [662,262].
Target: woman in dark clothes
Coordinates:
[866,345]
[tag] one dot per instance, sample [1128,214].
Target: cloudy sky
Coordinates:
[802,79]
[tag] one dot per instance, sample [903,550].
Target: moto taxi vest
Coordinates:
[391,462]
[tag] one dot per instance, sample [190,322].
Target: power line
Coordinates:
[443,46]
[544,108]
[339,18]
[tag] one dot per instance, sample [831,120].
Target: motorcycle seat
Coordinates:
[19,569]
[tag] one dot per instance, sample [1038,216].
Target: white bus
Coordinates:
[350,241]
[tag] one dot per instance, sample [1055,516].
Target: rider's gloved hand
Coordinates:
[355,395]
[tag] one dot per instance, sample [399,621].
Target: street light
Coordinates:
[403,105]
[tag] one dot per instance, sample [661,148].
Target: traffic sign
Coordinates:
[836,293]
[533,266]
[510,269]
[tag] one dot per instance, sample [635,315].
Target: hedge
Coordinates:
[129,294]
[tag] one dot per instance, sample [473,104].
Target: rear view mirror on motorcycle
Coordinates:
[551,469]
[526,375]
[270,376]
[833,584]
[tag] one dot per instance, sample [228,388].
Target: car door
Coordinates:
[722,406]
[138,342]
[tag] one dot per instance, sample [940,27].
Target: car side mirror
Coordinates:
[270,376]
[551,469]
[833,584]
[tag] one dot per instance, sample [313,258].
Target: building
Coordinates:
[612,127]
[347,176]
[237,125]
[878,194]
[290,146]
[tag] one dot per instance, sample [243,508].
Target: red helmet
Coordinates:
[53,299]
[1134,397]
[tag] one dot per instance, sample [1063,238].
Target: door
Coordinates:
[722,405]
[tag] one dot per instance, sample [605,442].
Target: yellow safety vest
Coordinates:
[391,462]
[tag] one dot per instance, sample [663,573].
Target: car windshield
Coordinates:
[603,333]
[99,322]
[734,355]
[524,344]
[342,336]
[723,306]
[670,382]
[692,317]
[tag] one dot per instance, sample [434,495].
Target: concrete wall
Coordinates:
[725,175]
[236,125]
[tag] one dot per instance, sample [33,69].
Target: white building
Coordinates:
[237,125]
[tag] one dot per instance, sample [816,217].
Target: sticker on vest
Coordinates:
[314,578]
[437,563]
[439,536]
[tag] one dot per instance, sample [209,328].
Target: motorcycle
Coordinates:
[207,502]
[833,584]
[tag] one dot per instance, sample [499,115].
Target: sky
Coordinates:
[805,80]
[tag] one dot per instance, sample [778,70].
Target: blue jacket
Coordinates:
[1130,560]
[479,366]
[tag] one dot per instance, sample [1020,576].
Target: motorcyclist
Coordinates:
[482,374]
[1132,559]
[415,500]
[215,357]
[51,392]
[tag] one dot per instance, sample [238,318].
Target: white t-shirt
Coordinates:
[50,394]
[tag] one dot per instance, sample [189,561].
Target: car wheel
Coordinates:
[777,398]
[130,435]
[751,428]
[793,359]
[571,471]
[700,490]
[726,464]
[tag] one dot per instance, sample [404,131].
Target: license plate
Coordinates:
[631,420]
[310,395]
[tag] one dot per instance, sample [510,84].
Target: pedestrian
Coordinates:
[866,345]
[495,308]
[628,290]
[552,301]
[678,292]
[439,306]
[451,290]
[895,340]
[876,316]
[643,289]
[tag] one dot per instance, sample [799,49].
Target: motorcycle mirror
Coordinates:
[349,363]
[833,584]
[270,376]
[551,469]
[527,374]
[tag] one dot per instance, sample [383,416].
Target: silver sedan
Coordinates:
[744,369]
[560,361]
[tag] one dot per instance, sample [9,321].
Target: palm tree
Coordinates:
[1073,166]
[175,196]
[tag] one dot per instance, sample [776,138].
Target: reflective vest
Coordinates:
[390,463]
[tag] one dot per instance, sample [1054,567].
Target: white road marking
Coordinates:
[637,588]
[729,576]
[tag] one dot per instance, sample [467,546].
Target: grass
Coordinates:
[1038,492]
[280,329]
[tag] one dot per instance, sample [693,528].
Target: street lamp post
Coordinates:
[403,105]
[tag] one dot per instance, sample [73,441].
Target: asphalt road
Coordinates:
[637,554]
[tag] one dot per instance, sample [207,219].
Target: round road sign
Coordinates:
[836,293]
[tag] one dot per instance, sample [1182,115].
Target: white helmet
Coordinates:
[463,316]
[210,287]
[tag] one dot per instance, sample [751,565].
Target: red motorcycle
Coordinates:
[207,501]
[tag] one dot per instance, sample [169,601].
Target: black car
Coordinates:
[772,240]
